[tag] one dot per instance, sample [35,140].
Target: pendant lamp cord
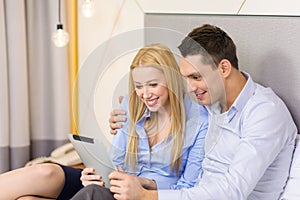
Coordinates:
[59,20]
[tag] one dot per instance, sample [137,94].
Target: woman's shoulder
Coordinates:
[196,121]
[196,117]
[124,105]
[125,102]
[194,110]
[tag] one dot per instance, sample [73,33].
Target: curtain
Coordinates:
[34,85]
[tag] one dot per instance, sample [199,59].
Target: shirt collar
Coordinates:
[141,121]
[246,93]
[240,102]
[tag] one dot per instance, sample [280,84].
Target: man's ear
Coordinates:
[225,68]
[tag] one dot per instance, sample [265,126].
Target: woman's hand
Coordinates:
[88,177]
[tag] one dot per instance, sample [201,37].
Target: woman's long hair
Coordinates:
[160,57]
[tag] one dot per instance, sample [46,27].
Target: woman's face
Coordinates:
[151,87]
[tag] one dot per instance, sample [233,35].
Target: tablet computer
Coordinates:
[93,153]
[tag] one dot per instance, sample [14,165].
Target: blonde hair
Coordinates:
[160,57]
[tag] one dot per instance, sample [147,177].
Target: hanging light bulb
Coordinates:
[60,37]
[87,8]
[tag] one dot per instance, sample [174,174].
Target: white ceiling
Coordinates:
[256,7]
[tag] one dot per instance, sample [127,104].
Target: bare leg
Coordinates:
[44,180]
[33,198]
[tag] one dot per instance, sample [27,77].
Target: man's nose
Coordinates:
[190,86]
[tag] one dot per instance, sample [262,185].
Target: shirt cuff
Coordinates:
[168,194]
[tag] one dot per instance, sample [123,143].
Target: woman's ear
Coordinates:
[225,68]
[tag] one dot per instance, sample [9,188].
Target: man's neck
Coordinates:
[234,85]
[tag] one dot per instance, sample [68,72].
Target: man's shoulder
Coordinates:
[266,107]
[266,97]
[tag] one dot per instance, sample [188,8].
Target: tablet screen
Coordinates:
[93,153]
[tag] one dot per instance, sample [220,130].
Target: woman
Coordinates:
[164,146]
[161,145]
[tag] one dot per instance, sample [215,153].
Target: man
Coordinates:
[251,135]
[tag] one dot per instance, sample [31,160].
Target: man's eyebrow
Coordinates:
[194,74]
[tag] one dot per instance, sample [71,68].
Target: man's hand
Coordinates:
[125,186]
[147,183]
[115,117]
[88,177]
[129,187]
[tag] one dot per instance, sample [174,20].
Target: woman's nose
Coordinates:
[146,93]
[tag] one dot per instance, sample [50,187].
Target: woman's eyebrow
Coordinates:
[136,82]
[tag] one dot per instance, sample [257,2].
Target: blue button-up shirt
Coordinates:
[155,163]
[248,150]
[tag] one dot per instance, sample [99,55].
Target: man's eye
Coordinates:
[196,77]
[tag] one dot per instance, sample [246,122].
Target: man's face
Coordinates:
[202,79]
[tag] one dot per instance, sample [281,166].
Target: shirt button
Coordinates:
[212,162]
[209,173]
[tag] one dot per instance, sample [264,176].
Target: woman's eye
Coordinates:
[153,84]
[138,87]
